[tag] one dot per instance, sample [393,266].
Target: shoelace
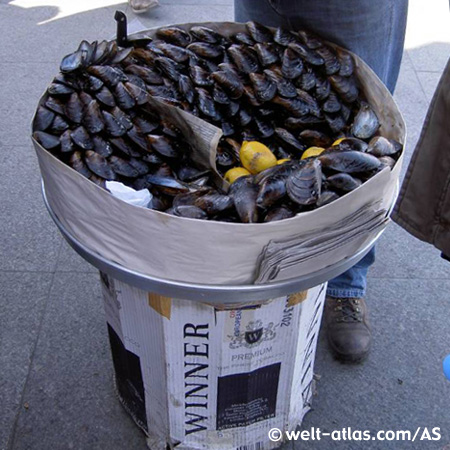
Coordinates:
[349,309]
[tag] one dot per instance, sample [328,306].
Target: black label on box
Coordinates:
[130,385]
[246,398]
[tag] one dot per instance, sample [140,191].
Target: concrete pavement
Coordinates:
[56,374]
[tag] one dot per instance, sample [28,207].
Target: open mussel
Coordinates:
[366,122]
[380,146]
[304,184]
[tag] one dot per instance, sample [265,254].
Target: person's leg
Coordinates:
[374,31]
[353,282]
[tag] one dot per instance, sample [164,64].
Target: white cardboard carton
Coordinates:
[195,377]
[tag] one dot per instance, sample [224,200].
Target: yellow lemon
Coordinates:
[312,151]
[338,141]
[256,157]
[281,161]
[236,172]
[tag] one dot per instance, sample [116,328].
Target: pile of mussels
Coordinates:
[285,89]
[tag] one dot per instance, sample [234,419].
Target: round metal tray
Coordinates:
[218,294]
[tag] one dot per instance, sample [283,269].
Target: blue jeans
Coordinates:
[374,30]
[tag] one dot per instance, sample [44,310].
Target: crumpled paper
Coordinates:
[140,198]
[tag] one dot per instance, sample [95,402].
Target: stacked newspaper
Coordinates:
[307,253]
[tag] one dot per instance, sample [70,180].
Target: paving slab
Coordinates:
[70,393]
[412,103]
[22,86]
[69,261]
[28,238]
[44,39]
[170,13]
[400,255]
[401,386]
[429,82]
[22,304]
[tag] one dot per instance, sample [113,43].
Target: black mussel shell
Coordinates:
[263,87]
[113,126]
[186,88]
[59,89]
[345,87]
[200,76]
[123,96]
[292,64]
[81,138]
[244,59]
[150,76]
[67,145]
[93,119]
[48,141]
[99,165]
[72,62]
[332,64]
[205,34]
[205,50]
[125,147]
[73,109]
[59,125]
[77,163]
[123,167]
[105,96]
[109,75]
[259,32]
[43,119]
[174,35]
[229,82]
[101,146]
[278,213]
[163,146]
[244,193]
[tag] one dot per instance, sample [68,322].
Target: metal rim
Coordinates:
[216,294]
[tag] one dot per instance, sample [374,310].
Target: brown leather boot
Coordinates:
[348,328]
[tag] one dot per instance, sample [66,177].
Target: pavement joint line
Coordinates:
[42,272]
[55,266]
[12,435]
[429,71]
[417,77]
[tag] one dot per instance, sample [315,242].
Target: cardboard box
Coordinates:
[195,377]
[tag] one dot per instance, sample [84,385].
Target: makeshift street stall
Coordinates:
[217,175]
